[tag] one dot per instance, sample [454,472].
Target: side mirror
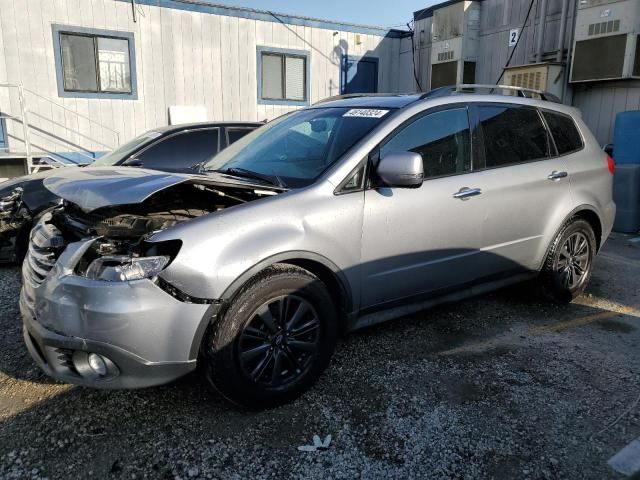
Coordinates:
[401,170]
[133,162]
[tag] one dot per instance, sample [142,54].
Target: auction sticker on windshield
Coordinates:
[366,113]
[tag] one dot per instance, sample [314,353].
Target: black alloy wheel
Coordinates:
[280,341]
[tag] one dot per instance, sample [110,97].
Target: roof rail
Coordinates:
[469,87]
[359,95]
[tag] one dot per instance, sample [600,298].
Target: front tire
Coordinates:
[569,263]
[273,341]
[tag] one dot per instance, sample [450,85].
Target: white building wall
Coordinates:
[182,58]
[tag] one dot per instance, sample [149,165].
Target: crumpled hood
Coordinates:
[97,187]
[8,185]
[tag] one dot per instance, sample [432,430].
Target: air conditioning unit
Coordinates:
[607,45]
[548,77]
[454,48]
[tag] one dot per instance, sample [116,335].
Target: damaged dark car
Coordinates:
[177,148]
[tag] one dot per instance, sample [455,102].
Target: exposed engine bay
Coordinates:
[121,231]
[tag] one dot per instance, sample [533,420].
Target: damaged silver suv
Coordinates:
[329,219]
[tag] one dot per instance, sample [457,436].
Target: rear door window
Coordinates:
[442,139]
[564,132]
[180,152]
[512,135]
[235,134]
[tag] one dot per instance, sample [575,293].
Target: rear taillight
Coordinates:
[611,164]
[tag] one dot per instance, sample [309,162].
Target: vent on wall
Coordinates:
[444,56]
[610,52]
[533,79]
[604,27]
[443,74]
[546,77]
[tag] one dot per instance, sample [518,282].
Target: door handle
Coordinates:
[466,193]
[555,175]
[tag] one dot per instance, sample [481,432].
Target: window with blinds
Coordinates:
[93,63]
[283,76]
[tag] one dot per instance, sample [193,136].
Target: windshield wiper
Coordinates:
[274,180]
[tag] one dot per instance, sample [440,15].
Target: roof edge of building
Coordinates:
[204,6]
[428,12]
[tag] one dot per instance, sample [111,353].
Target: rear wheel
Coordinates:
[569,263]
[274,341]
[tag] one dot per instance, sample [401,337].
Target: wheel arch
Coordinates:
[327,271]
[591,217]
[586,212]
[319,265]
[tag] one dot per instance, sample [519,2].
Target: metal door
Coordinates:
[359,75]
[424,241]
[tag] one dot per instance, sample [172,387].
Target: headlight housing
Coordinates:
[9,201]
[123,268]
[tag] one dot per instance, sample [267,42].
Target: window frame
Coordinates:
[4,140]
[364,164]
[552,138]
[162,139]
[371,182]
[284,53]
[344,63]
[94,34]
[475,107]
[233,128]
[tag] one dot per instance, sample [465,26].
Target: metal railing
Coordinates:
[48,157]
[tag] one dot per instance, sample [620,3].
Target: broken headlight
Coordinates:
[123,268]
[8,203]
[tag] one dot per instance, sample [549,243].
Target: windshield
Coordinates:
[297,148]
[123,151]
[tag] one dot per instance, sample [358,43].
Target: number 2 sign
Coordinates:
[513,37]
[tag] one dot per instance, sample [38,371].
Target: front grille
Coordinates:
[45,247]
[40,262]
[37,348]
[65,359]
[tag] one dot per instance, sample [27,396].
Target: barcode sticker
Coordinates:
[366,113]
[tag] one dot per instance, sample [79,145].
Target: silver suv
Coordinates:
[329,219]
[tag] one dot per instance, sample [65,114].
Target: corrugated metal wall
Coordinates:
[423,37]
[182,58]
[498,17]
[599,102]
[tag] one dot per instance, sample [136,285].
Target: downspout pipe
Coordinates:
[563,30]
[542,20]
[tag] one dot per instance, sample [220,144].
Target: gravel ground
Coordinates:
[502,386]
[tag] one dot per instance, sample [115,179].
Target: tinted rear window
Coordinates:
[564,132]
[182,151]
[512,135]
[235,134]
